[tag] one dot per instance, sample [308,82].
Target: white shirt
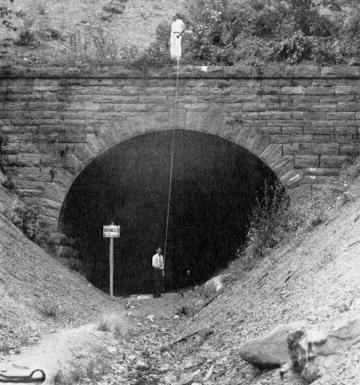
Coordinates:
[177,26]
[158,261]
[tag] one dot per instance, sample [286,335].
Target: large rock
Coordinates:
[215,285]
[272,350]
[313,353]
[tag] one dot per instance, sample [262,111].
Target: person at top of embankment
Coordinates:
[177,30]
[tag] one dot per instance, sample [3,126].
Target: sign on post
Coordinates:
[111,231]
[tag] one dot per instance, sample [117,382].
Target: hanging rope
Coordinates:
[172,159]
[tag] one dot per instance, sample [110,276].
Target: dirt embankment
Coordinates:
[63,31]
[38,294]
[314,278]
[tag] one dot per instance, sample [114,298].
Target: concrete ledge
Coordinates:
[275,71]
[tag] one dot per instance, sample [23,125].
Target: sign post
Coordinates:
[111,232]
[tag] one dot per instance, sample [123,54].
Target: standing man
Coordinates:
[158,272]
[177,30]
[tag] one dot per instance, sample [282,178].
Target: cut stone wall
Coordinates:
[302,121]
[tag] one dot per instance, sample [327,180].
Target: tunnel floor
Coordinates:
[215,185]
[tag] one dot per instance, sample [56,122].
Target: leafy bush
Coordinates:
[268,221]
[274,219]
[26,38]
[294,49]
[232,31]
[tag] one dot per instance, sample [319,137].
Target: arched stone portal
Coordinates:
[215,186]
[301,121]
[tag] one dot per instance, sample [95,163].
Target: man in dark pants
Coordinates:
[158,272]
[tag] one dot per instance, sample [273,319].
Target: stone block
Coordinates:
[291,149]
[293,90]
[318,90]
[29,193]
[298,129]
[254,106]
[324,107]
[342,130]
[317,128]
[271,130]
[29,184]
[301,138]
[50,204]
[305,99]
[49,160]
[28,160]
[339,115]
[319,148]
[349,149]
[276,115]
[315,179]
[346,90]
[344,139]
[347,106]
[333,161]
[307,161]
[10,148]
[319,171]
[339,71]
[71,162]
[281,138]
[324,138]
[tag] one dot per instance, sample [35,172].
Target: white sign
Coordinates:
[111,231]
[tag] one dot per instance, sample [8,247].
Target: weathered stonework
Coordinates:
[302,121]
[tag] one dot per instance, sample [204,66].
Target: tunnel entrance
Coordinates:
[215,184]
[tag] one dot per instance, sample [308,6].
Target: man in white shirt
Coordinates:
[177,30]
[158,272]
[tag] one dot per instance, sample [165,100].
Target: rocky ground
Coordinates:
[314,279]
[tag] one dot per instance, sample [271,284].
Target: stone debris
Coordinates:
[215,285]
[271,350]
[314,353]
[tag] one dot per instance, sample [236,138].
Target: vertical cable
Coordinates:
[172,160]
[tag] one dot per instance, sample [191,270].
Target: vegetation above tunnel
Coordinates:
[257,31]
[223,32]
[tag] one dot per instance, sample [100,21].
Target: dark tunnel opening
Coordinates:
[215,185]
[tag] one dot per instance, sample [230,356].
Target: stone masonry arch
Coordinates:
[79,156]
[301,121]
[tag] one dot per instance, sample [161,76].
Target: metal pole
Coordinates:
[111,267]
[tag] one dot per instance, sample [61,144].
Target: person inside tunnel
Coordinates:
[158,272]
